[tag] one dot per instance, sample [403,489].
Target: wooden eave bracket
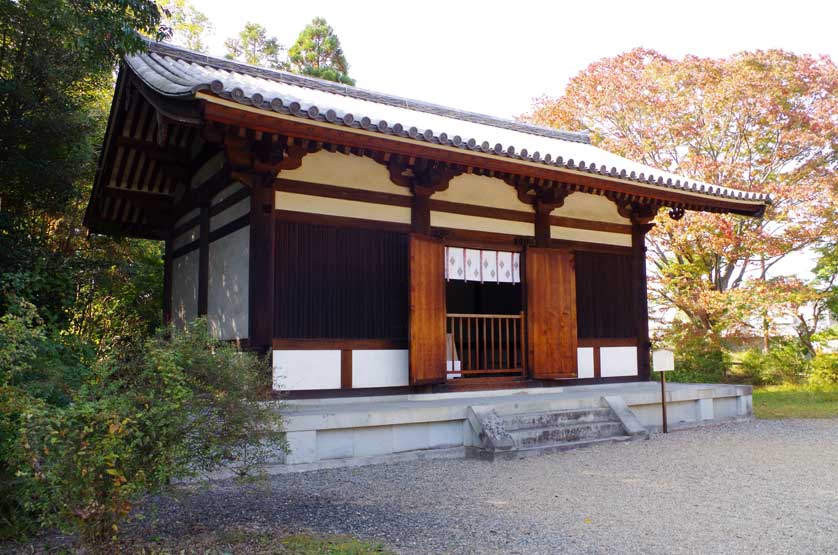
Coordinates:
[250,152]
[422,176]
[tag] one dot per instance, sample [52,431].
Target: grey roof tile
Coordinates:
[175,72]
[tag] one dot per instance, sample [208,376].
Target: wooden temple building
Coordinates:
[381,244]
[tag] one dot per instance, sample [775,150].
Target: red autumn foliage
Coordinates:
[764,121]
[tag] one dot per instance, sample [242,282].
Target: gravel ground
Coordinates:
[756,487]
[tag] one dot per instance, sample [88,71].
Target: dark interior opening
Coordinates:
[340,283]
[604,301]
[472,297]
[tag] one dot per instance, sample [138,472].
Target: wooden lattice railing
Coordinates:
[485,344]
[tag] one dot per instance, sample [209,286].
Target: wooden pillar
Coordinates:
[420,211]
[262,257]
[167,282]
[542,224]
[641,303]
[203,259]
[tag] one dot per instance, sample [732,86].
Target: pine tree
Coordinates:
[317,53]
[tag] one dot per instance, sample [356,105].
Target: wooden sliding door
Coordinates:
[551,313]
[427,310]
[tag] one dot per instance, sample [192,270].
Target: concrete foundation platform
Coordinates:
[358,430]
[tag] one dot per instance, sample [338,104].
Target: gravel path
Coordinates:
[758,487]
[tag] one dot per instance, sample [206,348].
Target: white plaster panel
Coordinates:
[310,369]
[209,169]
[590,236]
[188,216]
[228,289]
[618,361]
[585,362]
[480,190]
[236,211]
[343,170]
[379,368]
[186,237]
[478,223]
[585,206]
[310,204]
[227,191]
[185,288]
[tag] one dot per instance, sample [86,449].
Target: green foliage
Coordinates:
[317,53]
[824,370]
[699,358]
[785,362]
[186,23]
[254,46]
[170,407]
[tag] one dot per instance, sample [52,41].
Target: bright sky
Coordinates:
[495,57]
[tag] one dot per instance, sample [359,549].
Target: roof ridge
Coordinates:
[278,75]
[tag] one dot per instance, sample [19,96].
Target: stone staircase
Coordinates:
[522,433]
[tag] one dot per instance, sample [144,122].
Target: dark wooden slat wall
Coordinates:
[605,304]
[340,283]
[551,313]
[427,310]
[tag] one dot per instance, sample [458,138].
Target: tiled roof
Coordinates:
[175,72]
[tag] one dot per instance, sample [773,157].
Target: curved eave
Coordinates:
[308,126]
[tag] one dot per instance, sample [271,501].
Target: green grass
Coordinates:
[795,401]
[245,542]
[239,540]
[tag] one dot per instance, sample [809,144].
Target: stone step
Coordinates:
[544,449]
[568,432]
[547,419]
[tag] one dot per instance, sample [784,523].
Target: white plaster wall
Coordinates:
[618,361]
[590,236]
[345,170]
[236,211]
[227,191]
[480,190]
[186,237]
[379,368]
[185,288]
[585,362]
[209,169]
[590,207]
[188,216]
[310,204]
[477,223]
[300,370]
[228,288]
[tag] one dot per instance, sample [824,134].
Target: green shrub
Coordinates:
[751,367]
[786,362]
[698,360]
[172,407]
[824,370]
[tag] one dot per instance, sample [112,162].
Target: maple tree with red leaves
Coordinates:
[763,121]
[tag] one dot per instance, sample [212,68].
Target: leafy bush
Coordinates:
[172,407]
[824,370]
[786,361]
[699,360]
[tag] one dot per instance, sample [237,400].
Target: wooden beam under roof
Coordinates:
[217,111]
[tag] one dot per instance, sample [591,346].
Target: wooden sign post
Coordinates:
[663,361]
